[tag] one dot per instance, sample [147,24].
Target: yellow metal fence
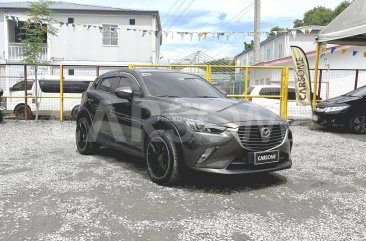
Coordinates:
[235,80]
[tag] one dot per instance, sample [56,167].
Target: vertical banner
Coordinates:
[302,76]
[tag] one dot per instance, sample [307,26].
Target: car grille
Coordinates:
[251,138]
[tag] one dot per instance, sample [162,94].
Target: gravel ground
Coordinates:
[50,192]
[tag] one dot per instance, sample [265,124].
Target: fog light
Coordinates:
[206,154]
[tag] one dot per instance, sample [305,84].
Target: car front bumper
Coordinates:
[330,119]
[229,155]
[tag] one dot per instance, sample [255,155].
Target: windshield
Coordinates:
[360,92]
[181,85]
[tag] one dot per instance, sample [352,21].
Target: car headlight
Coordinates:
[336,108]
[200,126]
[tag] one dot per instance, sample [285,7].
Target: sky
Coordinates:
[214,15]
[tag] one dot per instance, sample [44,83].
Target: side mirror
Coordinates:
[124,92]
[1,92]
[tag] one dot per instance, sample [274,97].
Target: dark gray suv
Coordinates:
[178,121]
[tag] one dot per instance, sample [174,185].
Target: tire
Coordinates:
[83,134]
[357,124]
[162,160]
[20,113]
[1,117]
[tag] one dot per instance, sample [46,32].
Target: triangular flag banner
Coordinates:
[227,36]
[181,35]
[332,49]
[89,26]
[100,28]
[191,35]
[354,53]
[364,54]
[143,32]
[61,23]
[344,51]
[294,32]
[166,33]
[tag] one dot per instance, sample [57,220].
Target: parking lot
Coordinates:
[50,192]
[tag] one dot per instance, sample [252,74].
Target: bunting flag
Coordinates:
[344,51]
[332,49]
[158,34]
[364,54]
[354,53]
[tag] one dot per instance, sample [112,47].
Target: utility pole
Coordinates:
[257,31]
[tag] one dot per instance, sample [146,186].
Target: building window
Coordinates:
[70,20]
[268,54]
[280,51]
[110,35]
[132,21]
[71,71]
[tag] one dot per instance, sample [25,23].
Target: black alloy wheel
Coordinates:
[84,144]
[358,124]
[162,159]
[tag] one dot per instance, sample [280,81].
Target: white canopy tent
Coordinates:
[349,28]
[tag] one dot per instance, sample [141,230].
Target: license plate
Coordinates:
[266,157]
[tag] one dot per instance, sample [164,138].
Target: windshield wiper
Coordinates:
[204,96]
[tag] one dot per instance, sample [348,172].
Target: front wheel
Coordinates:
[358,124]
[84,142]
[163,162]
[19,112]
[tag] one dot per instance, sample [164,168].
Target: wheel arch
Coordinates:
[162,123]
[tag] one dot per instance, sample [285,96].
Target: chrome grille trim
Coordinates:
[251,139]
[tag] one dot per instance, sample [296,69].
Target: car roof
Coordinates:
[269,86]
[143,70]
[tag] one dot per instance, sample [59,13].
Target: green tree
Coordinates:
[318,16]
[34,35]
[340,8]
[298,23]
[248,46]
[275,29]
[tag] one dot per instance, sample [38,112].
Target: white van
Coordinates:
[49,93]
[273,104]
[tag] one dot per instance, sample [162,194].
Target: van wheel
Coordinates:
[358,124]
[74,112]
[20,113]
[84,142]
[162,159]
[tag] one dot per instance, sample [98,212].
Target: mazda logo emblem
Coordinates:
[265,132]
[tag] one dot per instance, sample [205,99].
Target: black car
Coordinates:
[178,121]
[347,111]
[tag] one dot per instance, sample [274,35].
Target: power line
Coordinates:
[172,16]
[242,12]
[170,9]
[181,14]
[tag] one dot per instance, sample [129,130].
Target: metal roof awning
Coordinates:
[349,28]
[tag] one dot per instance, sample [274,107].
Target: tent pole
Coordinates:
[316,74]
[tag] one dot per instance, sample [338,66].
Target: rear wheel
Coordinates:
[84,142]
[358,124]
[163,164]
[1,117]
[19,112]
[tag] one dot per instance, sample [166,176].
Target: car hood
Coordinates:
[219,110]
[339,100]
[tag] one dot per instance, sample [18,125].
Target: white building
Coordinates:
[89,35]
[339,65]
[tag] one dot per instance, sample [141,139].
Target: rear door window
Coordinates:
[20,86]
